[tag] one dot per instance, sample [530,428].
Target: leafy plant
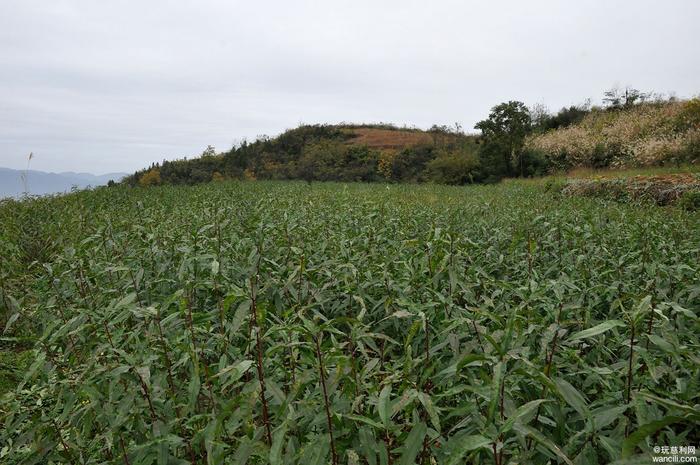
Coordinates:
[282,323]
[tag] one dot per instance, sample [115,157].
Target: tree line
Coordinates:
[324,152]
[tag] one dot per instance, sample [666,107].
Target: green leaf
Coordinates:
[9,323]
[413,444]
[540,438]
[245,449]
[596,330]
[661,343]
[458,446]
[643,307]
[628,445]
[408,396]
[383,405]
[238,370]
[34,367]
[145,375]
[468,359]
[430,408]
[573,397]
[684,311]
[277,443]
[498,372]
[126,300]
[522,411]
[604,416]
[365,420]
[316,452]
[193,391]
[692,412]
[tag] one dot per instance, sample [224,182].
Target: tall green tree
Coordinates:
[504,132]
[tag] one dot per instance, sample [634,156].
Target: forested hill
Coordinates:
[332,153]
[515,141]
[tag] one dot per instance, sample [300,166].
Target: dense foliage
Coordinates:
[282,323]
[632,130]
[329,153]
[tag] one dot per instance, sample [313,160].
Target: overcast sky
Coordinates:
[109,85]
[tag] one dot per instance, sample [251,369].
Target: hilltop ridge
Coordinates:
[515,141]
[344,152]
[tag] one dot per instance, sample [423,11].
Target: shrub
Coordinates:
[690,201]
[689,115]
[150,178]
[554,186]
[644,135]
[457,167]
[335,161]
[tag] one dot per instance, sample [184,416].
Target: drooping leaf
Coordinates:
[413,444]
[427,402]
[573,397]
[596,330]
[460,444]
[384,406]
[629,444]
[540,438]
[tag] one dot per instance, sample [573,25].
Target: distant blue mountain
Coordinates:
[40,182]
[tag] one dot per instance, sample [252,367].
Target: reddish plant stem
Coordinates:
[502,411]
[387,442]
[168,363]
[629,375]
[529,258]
[325,401]
[147,395]
[629,368]
[124,454]
[547,369]
[258,344]
[478,337]
[63,443]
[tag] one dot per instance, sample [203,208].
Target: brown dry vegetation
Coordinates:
[653,134]
[660,189]
[388,138]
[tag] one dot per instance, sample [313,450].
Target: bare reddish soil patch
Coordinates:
[388,139]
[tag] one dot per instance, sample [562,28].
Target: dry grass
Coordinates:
[646,135]
[660,189]
[388,139]
[634,172]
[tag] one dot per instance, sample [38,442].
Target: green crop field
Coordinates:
[284,323]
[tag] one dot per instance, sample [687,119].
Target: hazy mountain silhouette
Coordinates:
[40,182]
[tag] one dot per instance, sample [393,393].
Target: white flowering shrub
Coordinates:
[645,135]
